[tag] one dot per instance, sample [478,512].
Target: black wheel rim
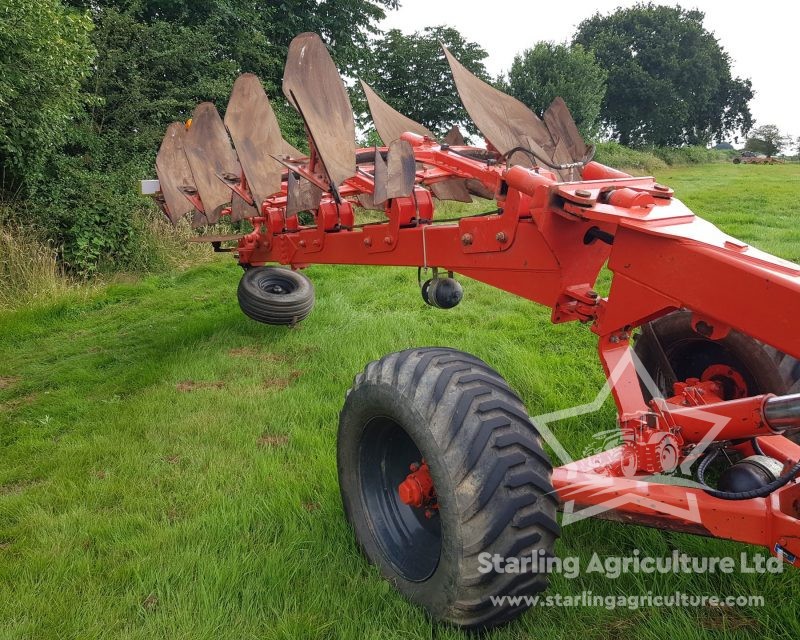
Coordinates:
[409,539]
[276,285]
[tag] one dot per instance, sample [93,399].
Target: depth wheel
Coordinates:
[273,295]
[440,467]
[744,366]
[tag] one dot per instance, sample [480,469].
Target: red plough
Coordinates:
[438,459]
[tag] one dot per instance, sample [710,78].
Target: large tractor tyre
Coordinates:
[273,295]
[743,365]
[440,468]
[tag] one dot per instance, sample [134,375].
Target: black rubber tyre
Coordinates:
[491,476]
[273,295]
[764,369]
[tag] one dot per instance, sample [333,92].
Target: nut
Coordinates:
[583,193]
[501,237]
[466,239]
[367,242]
[388,239]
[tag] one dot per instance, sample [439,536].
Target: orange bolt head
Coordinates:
[410,493]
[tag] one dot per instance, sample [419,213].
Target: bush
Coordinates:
[95,217]
[689,155]
[615,155]
[652,159]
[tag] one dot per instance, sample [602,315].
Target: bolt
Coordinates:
[315,243]
[501,237]
[466,239]
[414,466]
[302,243]
[613,339]
[388,239]
[660,187]
[591,293]
[367,242]
[583,193]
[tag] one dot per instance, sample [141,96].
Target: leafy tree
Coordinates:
[257,33]
[411,73]
[45,53]
[549,70]
[669,80]
[767,139]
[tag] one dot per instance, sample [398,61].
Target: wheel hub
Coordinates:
[275,288]
[417,489]
[732,382]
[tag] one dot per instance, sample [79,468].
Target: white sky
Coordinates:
[761,37]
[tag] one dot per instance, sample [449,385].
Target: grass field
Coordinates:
[167,466]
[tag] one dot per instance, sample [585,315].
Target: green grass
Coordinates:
[167,466]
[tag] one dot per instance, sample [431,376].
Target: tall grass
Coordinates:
[29,269]
[162,247]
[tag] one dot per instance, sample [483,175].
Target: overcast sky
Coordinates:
[762,38]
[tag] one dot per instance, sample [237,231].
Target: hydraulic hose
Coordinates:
[761,492]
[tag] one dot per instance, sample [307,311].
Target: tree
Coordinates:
[549,70]
[159,59]
[411,73]
[257,34]
[45,53]
[669,80]
[767,139]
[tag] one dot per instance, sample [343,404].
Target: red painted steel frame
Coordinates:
[548,245]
